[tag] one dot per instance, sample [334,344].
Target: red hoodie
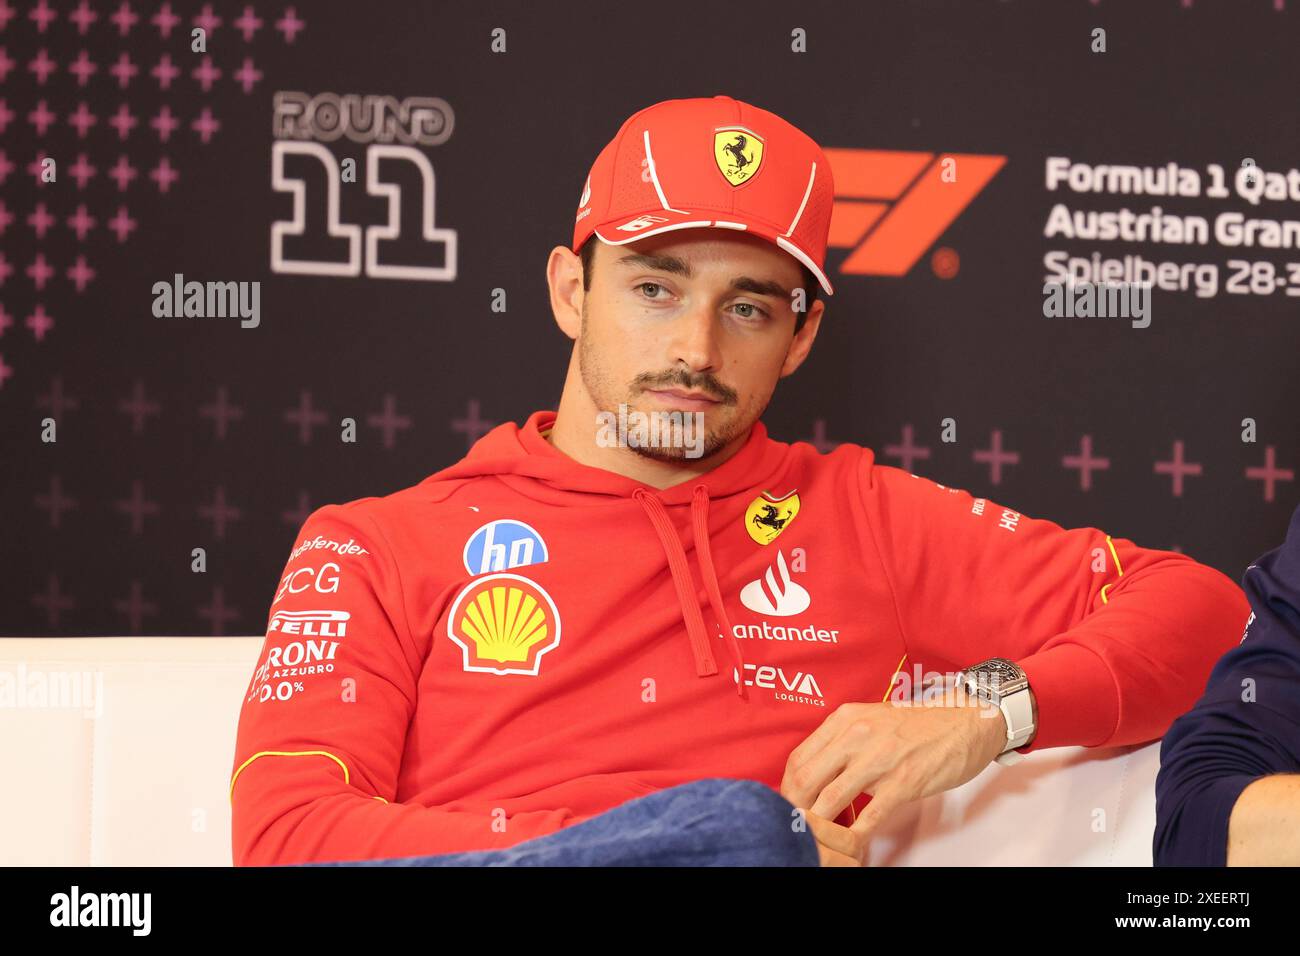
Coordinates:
[521,642]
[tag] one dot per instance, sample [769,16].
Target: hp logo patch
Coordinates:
[505,543]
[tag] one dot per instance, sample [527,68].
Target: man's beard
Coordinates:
[598,387]
[714,442]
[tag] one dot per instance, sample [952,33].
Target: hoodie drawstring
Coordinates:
[692,613]
[700,517]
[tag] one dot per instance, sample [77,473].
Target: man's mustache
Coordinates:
[702,383]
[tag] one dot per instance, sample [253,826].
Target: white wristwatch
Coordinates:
[1002,683]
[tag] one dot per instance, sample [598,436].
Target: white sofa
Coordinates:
[135,771]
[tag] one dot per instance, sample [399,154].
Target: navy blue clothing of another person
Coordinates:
[1245,726]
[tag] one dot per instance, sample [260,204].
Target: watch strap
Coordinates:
[1017,711]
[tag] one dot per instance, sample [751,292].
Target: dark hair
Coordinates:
[811,288]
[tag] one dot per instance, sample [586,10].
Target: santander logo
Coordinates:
[775,593]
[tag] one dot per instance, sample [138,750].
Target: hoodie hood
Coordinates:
[522,458]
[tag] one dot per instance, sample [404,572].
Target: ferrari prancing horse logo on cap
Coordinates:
[739,153]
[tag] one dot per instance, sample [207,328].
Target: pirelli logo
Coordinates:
[891,206]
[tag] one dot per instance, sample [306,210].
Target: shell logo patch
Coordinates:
[504,623]
[767,516]
[738,152]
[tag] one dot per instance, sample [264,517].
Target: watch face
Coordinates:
[1005,670]
[1000,676]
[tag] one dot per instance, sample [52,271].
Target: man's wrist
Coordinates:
[992,722]
[1004,686]
[995,722]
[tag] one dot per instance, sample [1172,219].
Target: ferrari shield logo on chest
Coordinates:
[739,153]
[767,516]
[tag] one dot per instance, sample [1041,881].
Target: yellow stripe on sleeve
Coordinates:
[1118,567]
[290,753]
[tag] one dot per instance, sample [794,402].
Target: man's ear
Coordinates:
[564,276]
[801,345]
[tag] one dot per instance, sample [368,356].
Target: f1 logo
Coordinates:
[891,206]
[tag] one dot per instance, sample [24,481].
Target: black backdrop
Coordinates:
[99,526]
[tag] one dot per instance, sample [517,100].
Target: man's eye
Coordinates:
[754,313]
[652,285]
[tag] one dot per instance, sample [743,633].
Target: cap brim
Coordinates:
[672,219]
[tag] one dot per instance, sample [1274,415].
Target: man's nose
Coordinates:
[695,339]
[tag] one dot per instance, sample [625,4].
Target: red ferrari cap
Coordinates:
[710,163]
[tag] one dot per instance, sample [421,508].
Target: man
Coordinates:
[1228,791]
[641,590]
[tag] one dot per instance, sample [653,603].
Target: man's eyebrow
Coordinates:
[671,264]
[675,266]
[760,287]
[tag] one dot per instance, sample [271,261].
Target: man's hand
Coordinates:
[897,752]
[836,845]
